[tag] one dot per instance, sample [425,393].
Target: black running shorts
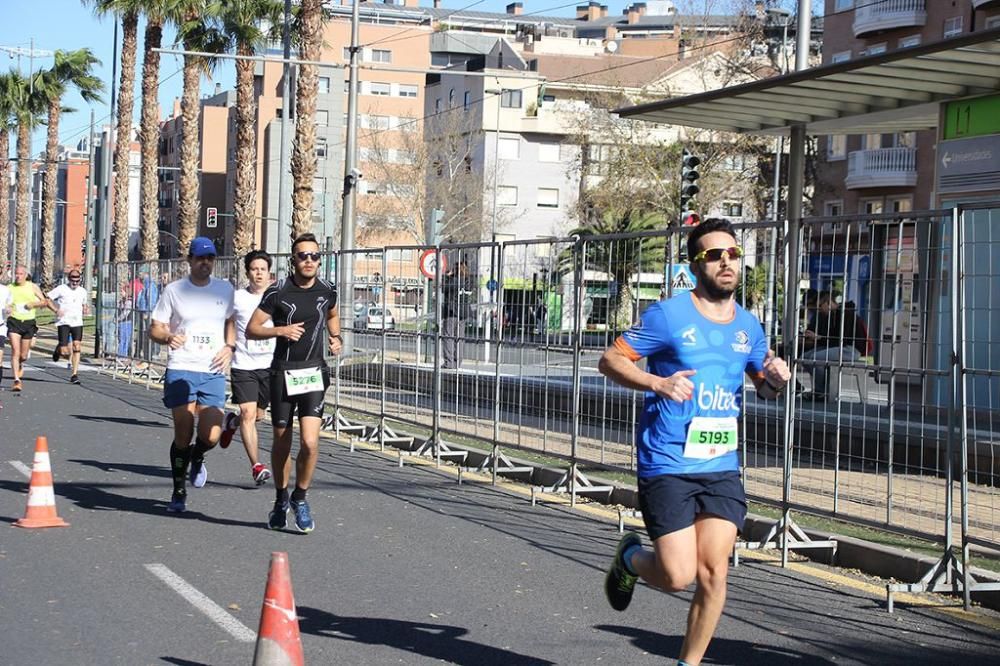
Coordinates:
[251,386]
[65,332]
[671,502]
[26,329]
[284,406]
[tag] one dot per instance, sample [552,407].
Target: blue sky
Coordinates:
[67,24]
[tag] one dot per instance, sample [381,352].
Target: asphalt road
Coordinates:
[404,567]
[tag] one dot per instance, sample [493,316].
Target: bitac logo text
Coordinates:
[719,400]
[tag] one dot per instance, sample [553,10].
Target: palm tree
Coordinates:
[304,150]
[28,107]
[155,12]
[6,124]
[128,12]
[70,69]
[621,259]
[241,22]
[193,18]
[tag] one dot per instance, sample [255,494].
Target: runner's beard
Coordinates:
[716,291]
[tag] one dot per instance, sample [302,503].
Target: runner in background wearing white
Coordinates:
[5,305]
[69,302]
[250,374]
[194,318]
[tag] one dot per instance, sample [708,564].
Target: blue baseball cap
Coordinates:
[202,247]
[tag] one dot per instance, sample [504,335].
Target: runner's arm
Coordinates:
[257,331]
[159,332]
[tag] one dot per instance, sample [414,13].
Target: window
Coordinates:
[732,209]
[510,99]
[381,89]
[508,149]
[843,56]
[506,195]
[833,208]
[548,197]
[324,85]
[905,140]
[381,55]
[378,122]
[952,26]
[467,100]
[876,49]
[870,206]
[322,118]
[451,98]
[548,152]
[836,147]
[909,42]
[901,204]
[437,105]
[321,149]
[407,90]
[319,186]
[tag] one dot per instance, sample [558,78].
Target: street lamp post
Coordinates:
[492,286]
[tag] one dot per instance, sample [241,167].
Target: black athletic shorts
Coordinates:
[251,386]
[26,329]
[284,406]
[65,331]
[670,502]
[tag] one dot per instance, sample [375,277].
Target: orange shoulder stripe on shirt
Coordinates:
[626,348]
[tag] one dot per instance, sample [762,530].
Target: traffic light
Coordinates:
[689,179]
[211,217]
[437,226]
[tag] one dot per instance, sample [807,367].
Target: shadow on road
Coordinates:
[437,641]
[120,420]
[721,650]
[96,498]
[143,470]
[184,662]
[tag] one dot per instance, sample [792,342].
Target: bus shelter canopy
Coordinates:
[890,92]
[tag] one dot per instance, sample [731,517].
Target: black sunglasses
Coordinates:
[311,256]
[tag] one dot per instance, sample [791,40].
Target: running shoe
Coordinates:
[619,583]
[17,386]
[278,518]
[74,379]
[303,516]
[198,474]
[230,425]
[56,354]
[260,473]
[178,503]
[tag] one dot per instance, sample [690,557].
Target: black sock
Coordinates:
[298,494]
[1,374]
[280,495]
[179,459]
[199,449]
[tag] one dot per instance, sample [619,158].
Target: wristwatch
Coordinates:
[233,347]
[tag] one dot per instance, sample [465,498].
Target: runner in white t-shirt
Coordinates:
[5,304]
[250,374]
[194,318]
[70,302]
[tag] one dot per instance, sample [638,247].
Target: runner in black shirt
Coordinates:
[303,309]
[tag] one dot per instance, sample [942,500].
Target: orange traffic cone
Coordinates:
[41,511]
[278,642]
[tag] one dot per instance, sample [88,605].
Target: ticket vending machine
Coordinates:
[900,340]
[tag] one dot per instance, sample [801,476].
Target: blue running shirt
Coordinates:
[675,336]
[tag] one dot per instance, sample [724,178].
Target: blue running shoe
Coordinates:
[198,475]
[178,503]
[278,518]
[303,517]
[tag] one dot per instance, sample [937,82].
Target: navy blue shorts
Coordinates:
[182,387]
[671,502]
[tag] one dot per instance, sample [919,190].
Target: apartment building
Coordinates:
[213,119]
[73,166]
[887,172]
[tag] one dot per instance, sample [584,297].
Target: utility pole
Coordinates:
[101,221]
[284,207]
[88,236]
[351,176]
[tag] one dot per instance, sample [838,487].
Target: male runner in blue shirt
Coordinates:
[698,344]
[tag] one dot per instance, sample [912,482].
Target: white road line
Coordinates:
[216,613]
[21,467]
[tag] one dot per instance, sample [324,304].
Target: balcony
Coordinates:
[985,4]
[888,14]
[882,167]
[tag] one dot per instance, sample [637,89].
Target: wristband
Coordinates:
[338,336]
[232,347]
[776,389]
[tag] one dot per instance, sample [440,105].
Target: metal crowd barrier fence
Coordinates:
[889,423]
